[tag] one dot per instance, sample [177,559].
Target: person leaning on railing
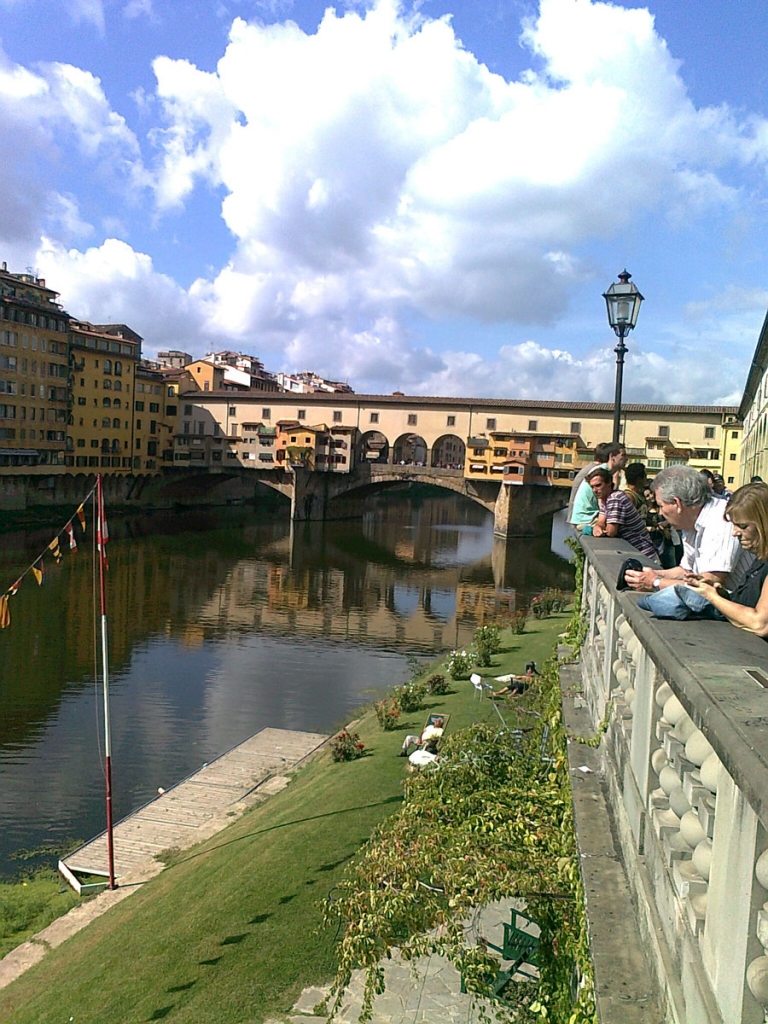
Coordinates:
[747,606]
[710,549]
[617,515]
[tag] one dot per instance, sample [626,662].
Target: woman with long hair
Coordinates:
[746,607]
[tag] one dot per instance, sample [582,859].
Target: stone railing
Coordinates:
[685,760]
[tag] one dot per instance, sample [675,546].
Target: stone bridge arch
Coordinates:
[448,452]
[410,450]
[373,447]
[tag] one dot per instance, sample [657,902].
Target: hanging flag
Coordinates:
[55,550]
[38,572]
[5,615]
[102,531]
[81,516]
[70,532]
[12,591]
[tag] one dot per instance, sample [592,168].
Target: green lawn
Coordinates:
[232,931]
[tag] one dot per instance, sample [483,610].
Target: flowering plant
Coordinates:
[387,713]
[459,664]
[487,641]
[410,696]
[346,746]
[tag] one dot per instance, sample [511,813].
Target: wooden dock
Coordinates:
[195,808]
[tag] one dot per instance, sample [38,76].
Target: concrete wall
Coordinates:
[685,761]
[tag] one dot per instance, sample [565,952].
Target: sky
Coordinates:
[423,197]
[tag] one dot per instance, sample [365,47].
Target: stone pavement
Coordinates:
[426,991]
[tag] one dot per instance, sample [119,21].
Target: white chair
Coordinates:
[479,684]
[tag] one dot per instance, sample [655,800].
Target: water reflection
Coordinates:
[220,626]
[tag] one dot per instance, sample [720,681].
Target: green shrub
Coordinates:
[410,696]
[459,664]
[387,713]
[487,642]
[437,684]
[518,620]
[346,746]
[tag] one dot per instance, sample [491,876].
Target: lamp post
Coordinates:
[623,302]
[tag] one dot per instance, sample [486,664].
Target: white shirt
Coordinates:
[711,547]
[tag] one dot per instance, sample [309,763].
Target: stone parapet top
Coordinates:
[708,665]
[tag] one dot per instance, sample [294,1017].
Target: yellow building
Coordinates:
[296,443]
[34,371]
[204,375]
[103,364]
[155,414]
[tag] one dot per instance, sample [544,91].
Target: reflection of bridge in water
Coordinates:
[394,599]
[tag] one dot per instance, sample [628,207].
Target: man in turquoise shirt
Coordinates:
[584,510]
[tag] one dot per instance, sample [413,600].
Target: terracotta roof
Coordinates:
[480,404]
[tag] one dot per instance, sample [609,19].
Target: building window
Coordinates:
[490,424]
[231,411]
[337,415]
[709,433]
[187,410]
[374,417]
[301,414]
[533,424]
[663,431]
[450,421]
[576,427]
[266,414]
[732,458]
[734,434]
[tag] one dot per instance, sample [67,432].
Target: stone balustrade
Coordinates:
[685,760]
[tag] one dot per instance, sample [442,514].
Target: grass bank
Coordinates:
[232,931]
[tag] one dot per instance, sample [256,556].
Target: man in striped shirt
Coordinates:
[617,516]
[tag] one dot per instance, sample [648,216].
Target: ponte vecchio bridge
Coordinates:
[326,451]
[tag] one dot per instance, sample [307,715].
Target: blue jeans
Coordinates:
[679,602]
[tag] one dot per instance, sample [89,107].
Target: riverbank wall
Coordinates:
[39,499]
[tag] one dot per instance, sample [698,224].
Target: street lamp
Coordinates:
[623,302]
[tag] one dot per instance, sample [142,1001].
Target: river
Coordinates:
[220,625]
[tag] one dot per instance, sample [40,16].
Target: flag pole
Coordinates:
[101,540]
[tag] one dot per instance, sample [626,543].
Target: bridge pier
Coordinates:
[309,500]
[521,511]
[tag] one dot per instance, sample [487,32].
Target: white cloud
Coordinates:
[112,283]
[64,217]
[88,11]
[374,174]
[357,184]
[55,116]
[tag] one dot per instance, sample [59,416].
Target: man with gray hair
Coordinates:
[709,547]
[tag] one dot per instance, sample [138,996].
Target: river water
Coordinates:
[220,625]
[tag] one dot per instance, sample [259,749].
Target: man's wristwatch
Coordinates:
[656,583]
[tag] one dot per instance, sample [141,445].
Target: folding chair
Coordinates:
[479,684]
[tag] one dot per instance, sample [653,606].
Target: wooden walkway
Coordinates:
[195,808]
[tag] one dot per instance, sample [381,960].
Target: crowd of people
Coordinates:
[704,549]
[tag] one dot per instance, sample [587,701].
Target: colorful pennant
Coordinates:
[37,568]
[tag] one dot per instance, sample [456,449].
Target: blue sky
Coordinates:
[425,198]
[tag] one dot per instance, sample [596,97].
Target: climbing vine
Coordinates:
[576,632]
[493,821]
